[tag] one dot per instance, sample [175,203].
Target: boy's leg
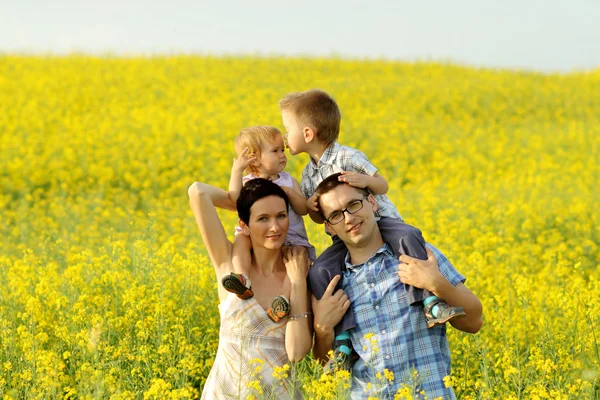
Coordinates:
[408,240]
[405,240]
[236,282]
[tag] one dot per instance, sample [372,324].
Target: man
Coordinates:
[372,283]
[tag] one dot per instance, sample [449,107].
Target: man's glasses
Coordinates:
[353,207]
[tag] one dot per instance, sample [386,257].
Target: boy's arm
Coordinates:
[313,210]
[361,173]
[297,199]
[376,184]
[308,191]
[237,170]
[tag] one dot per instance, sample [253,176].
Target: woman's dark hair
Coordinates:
[255,190]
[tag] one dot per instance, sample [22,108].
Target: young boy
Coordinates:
[312,123]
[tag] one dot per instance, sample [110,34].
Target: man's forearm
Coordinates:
[323,343]
[461,296]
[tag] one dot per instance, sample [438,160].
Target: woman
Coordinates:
[247,333]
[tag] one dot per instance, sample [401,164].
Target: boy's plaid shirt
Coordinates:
[400,332]
[338,158]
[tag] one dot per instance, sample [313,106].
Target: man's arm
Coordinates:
[461,296]
[328,312]
[425,274]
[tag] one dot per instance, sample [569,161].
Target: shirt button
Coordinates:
[387,357]
[377,307]
[384,331]
[372,285]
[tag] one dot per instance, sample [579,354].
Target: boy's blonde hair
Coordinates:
[317,110]
[255,138]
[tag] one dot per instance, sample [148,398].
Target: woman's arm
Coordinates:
[298,331]
[203,199]
[297,199]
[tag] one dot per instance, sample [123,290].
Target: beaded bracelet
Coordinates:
[298,316]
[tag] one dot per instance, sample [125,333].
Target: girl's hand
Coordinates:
[355,179]
[296,263]
[242,162]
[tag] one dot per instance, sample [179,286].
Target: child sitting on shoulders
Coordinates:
[261,154]
[312,123]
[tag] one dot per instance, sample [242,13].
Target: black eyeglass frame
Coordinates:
[345,210]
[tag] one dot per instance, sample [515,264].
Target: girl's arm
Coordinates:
[298,331]
[237,170]
[203,199]
[297,199]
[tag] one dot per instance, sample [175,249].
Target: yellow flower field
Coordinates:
[105,288]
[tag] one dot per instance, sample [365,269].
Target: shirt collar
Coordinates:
[355,267]
[328,155]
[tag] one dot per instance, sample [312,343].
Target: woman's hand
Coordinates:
[296,263]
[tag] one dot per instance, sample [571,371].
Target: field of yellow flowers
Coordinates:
[105,288]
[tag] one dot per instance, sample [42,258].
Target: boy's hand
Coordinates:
[355,179]
[312,203]
[242,162]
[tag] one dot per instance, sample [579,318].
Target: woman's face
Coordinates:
[268,223]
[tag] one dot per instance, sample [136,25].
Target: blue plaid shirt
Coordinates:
[399,330]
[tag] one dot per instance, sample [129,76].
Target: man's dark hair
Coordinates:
[255,190]
[327,185]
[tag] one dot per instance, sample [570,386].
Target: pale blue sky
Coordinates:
[540,35]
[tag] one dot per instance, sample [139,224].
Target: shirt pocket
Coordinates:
[391,288]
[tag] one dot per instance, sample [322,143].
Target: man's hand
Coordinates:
[355,179]
[312,203]
[423,274]
[331,308]
[296,263]
[242,162]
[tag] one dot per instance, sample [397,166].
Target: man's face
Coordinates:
[294,137]
[355,230]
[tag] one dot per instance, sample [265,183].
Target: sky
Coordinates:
[547,36]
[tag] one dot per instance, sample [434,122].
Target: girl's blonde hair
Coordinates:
[255,138]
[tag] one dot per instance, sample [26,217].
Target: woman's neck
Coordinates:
[266,261]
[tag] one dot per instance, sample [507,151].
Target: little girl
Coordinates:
[261,154]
